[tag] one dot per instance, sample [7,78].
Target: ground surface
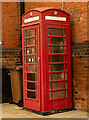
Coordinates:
[13,111]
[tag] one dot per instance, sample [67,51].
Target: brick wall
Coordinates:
[79,45]
[79,42]
[11,31]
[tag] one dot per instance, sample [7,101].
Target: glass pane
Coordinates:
[24,51]
[30,33]
[58,94]
[66,93]
[50,95]
[30,68]
[57,76]
[57,58]
[66,84]
[36,95]
[65,49]
[31,59]
[49,86]
[31,94]
[65,76]
[25,76]
[49,77]
[35,41]
[30,41]
[58,85]
[48,40]
[24,42]
[24,59]
[49,58]
[65,41]
[57,31]
[58,67]
[35,32]
[24,33]
[56,41]
[31,50]
[49,68]
[65,58]
[25,68]
[25,93]
[30,77]
[25,85]
[64,32]
[49,49]
[31,86]
[57,49]
[65,66]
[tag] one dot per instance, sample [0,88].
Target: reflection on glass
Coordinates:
[31,59]
[58,94]
[30,41]
[57,76]
[57,58]
[58,67]
[31,50]
[31,86]
[31,94]
[57,31]
[30,33]
[30,77]
[57,49]
[56,41]
[58,85]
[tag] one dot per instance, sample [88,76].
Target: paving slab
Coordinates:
[14,111]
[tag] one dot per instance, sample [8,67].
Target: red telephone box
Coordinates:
[46,59]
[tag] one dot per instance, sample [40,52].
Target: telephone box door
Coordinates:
[59,67]
[31,67]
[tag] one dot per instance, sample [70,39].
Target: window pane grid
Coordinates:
[31,33]
[63,32]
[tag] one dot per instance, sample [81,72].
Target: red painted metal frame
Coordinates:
[43,103]
[59,103]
